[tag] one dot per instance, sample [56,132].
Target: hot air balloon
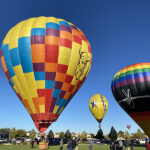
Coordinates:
[46,60]
[98,106]
[131,89]
[129,126]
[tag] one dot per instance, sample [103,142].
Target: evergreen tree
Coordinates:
[100,134]
[50,134]
[113,134]
[67,135]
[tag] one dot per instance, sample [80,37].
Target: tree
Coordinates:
[20,133]
[4,132]
[50,134]
[121,134]
[32,134]
[12,134]
[83,135]
[126,134]
[67,135]
[138,135]
[113,134]
[99,134]
[62,135]
[79,136]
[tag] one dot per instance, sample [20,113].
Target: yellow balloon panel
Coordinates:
[98,106]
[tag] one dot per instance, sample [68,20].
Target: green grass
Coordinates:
[81,147]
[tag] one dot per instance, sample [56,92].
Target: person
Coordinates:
[76,143]
[73,144]
[120,143]
[69,144]
[117,145]
[32,143]
[37,141]
[147,145]
[126,144]
[91,145]
[112,145]
[132,145]
[61,144]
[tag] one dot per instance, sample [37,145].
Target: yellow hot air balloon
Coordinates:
[98,106]
[46,60]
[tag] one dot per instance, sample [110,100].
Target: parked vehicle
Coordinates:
[13,140]
[27,140]
[5,140]
[1,140]
[135,142]
[18,142]
[141,141]
[97,142]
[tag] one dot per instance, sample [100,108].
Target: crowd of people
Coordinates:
[71,144]
[118,145]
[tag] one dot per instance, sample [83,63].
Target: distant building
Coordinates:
[27,134]
[56,135]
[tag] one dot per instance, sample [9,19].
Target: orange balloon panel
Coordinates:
[45,60]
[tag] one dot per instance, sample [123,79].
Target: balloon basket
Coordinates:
[43,146]
[99,126]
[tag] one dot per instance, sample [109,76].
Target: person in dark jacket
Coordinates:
[112,145]
[73,144]
[126,144]
[132,145]
[77,142]
[69,144]
[32,143]
[117,145]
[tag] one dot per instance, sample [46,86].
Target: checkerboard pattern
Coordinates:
[40,57]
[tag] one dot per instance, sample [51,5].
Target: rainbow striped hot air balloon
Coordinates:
[131,89]
[45,60]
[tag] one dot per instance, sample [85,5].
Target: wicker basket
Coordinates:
[43,145]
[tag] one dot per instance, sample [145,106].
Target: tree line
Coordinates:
[113,135]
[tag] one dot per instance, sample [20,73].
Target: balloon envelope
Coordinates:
[128,126]
[98,106]
[131,89]
[45,60]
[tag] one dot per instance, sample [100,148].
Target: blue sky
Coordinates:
[119,34]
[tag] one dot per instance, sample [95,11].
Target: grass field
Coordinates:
[81,147]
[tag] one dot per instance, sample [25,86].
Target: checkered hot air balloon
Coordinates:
[131,89]
[45,60]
